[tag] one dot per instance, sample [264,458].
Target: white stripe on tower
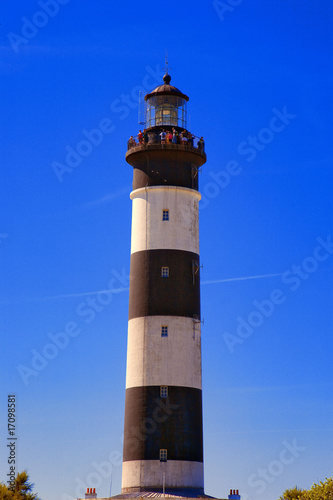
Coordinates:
[150,232]
[175,473]
[147,349]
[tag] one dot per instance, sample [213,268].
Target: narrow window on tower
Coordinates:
[163,455]
[164,391]
[164,331]
[165,272]
[165,215]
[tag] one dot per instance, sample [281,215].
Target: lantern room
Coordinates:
[166,106]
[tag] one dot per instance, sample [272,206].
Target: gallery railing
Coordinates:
[152,138]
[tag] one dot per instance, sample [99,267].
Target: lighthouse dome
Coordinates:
[166,89]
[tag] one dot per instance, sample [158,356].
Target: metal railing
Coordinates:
[153,138]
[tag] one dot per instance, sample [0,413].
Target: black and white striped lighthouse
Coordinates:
[163,445]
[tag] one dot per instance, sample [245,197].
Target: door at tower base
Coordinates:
[177,474]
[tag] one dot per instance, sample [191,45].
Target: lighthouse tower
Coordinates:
[163,446]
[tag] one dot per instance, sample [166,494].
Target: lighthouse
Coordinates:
[163,443]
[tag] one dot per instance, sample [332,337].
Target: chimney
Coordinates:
[91,493]
[234,495]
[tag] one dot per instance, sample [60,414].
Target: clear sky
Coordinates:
[259,77]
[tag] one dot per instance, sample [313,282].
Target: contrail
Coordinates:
[126,289]
[84,294]
[118,290]
[243,278]
[106,199]
[64,296]
[253,431]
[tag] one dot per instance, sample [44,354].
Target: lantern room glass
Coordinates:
[166,110]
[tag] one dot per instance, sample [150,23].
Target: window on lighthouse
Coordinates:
[165,215]
[165,272]
[163,455]
[164,331]
[164,391]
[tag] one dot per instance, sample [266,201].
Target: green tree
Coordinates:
[22,491]
[321,491]
[294,494]
[5,493]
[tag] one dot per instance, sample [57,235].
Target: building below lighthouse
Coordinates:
[163,431]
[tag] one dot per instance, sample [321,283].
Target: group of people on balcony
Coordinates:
[168,137]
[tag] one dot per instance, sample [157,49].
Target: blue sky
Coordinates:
[259,78]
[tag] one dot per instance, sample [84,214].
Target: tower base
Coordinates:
[158,492]
[156,495]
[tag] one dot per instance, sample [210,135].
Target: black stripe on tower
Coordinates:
[165,168]
[173,423]
[152,295]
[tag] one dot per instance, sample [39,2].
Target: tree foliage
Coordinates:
[321,491]
[293,494]
[22,489]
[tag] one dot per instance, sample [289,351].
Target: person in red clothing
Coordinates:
[140,137]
